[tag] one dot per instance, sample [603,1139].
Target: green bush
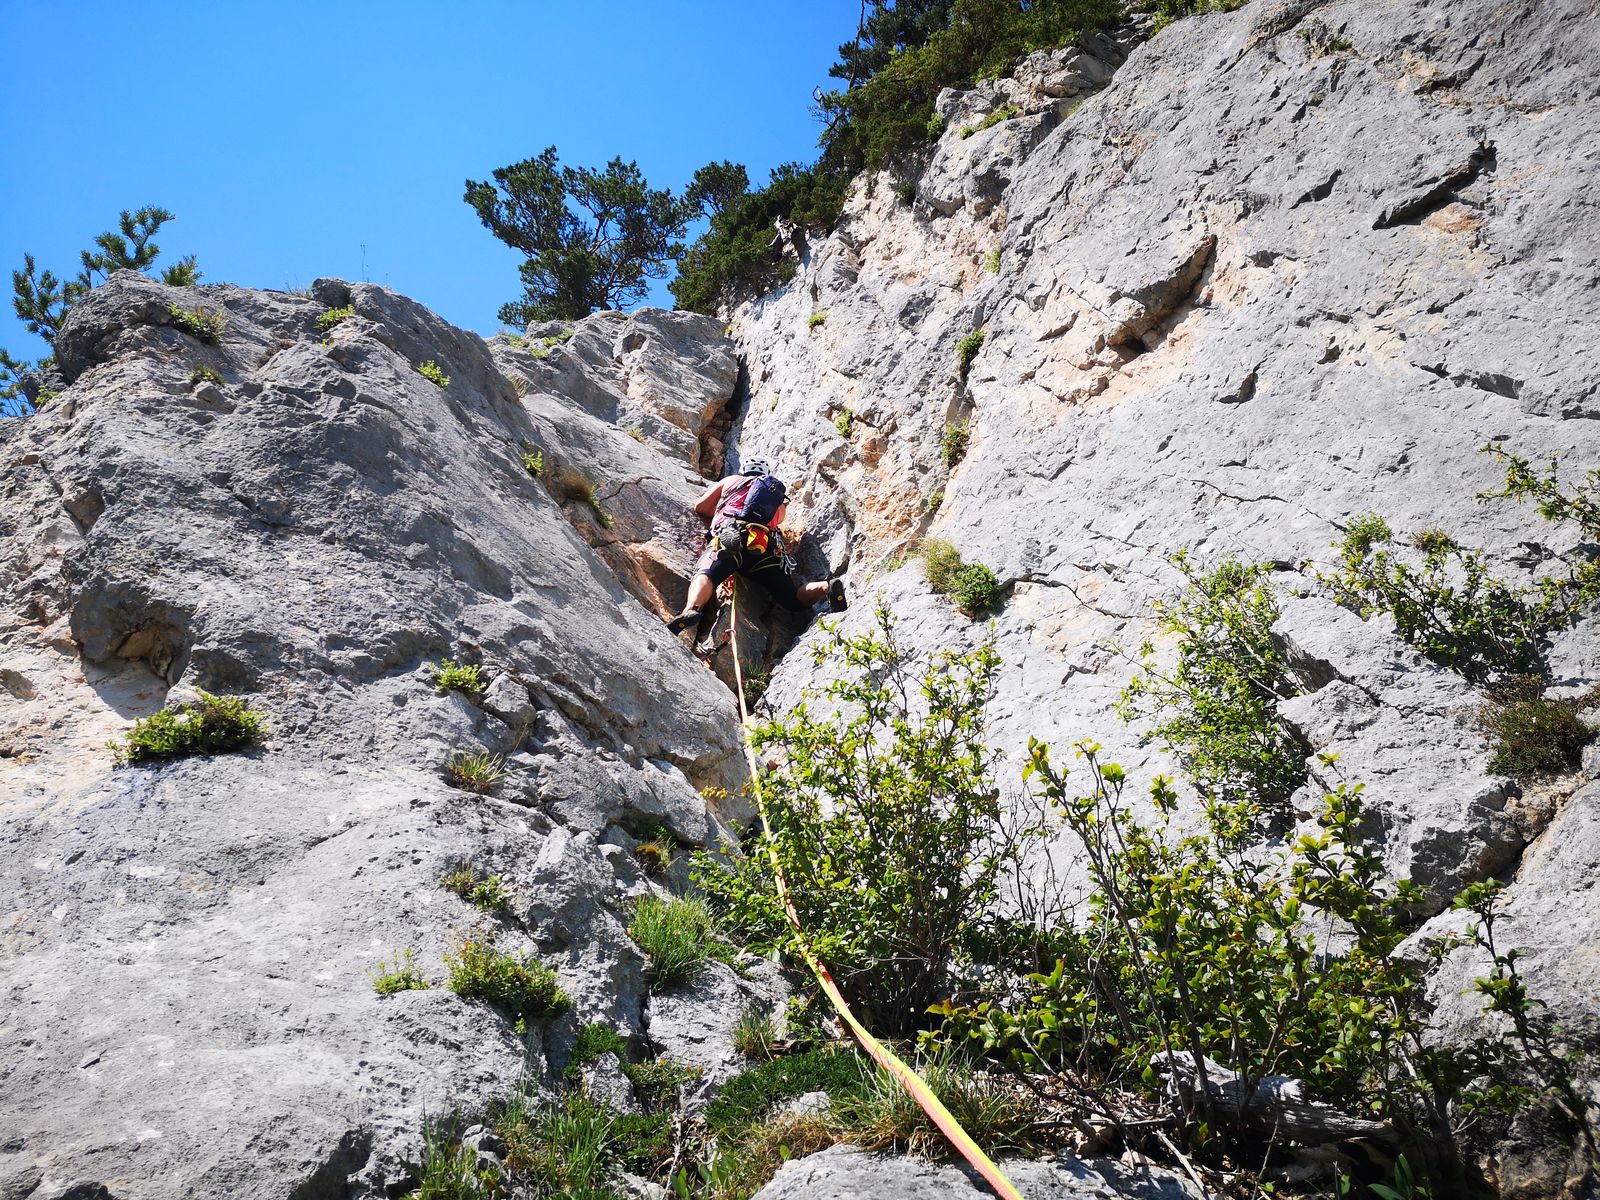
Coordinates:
[205,375]
[448,675]
[991,261]
[434,374]
[844,421]
[1533,736]
[676,936]
[518,986]
[202,324]
[333,316]
[476,771]
[972,586]
[1216,708]
[211,725]
[967,350]
[400,974]
[975,589]
[953,443]
[817,318]
[940,562]
[887,822]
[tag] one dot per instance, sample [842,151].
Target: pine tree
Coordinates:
[593,239]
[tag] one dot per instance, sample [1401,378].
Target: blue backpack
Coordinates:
[755,501]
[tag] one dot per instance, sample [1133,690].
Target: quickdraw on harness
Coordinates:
[885,1057]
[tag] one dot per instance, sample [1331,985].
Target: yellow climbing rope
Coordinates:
[886,1058]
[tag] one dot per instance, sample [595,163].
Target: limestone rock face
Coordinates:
[187,952]
[1279,267]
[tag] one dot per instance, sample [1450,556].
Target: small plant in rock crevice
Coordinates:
[1004,113]
[449,675]
[209,725]
[991,261]
[967,350]
[844,421]
[972,586]
[817,318]
[656,851]
[203,324]
[517,985]
[532,459]
[755,1034]
[400,974]
[205,375]
[486,893]
[953,443]
[434,374]
[1533,735]
[326,321]
[476,771]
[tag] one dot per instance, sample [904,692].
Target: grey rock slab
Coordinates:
[845,1173]
[1406,729]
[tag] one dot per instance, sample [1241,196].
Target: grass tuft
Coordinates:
[476,771]
[1532,735]
[676,936]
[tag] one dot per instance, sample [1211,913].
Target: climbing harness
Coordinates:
[886,1058]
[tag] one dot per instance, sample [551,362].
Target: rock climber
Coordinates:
[745,511]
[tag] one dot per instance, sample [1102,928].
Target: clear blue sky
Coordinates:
[285,136]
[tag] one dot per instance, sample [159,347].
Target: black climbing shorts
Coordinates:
[764,569]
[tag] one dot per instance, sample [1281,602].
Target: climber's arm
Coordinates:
[706,506]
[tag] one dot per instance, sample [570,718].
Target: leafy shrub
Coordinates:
[975,589]
[45,396]
[817,318]
[205,375]
[1216,707]
[934,501]
[532,459]
[476,771]
[940,562]
[1532,735]
[886,820]
[967,350]
[400,974]
[755,1034]
[953,443]
[517,985]
[676,936]
[448,675]
[202,324]
[844,421]
[210,725]
[1168,11]
[434,374]
[991,261]
[333,316]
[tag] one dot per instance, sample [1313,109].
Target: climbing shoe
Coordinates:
[683,620]
[836,600]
